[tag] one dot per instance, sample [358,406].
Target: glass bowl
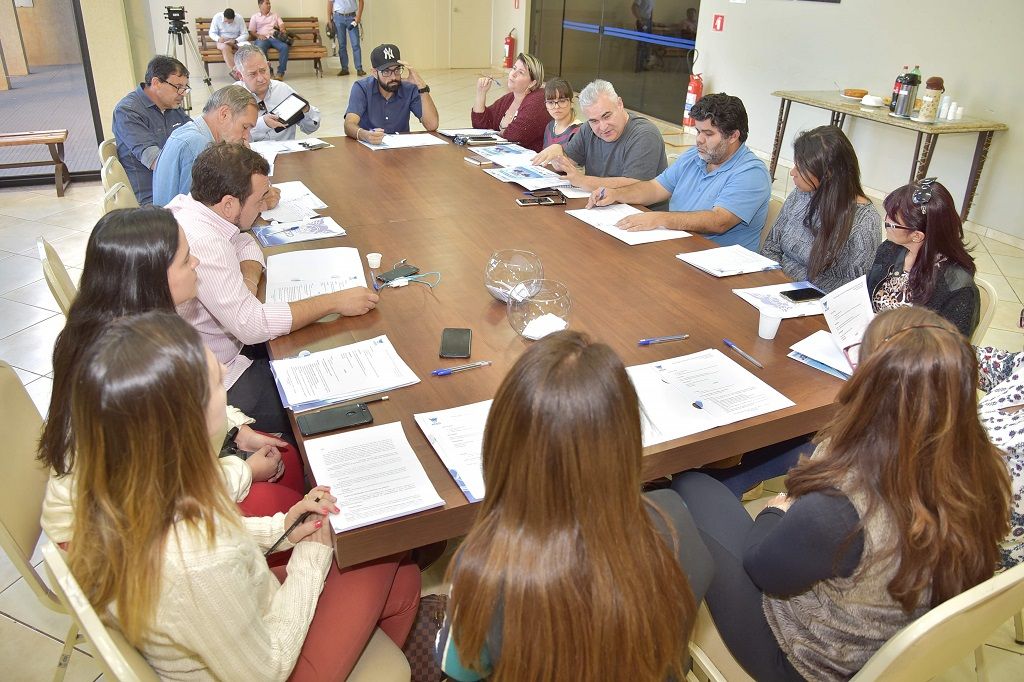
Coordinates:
[538,307]
[509,267]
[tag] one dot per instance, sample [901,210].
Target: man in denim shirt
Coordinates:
[146,117]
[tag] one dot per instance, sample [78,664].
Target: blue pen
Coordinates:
[744,354]
[698,404]
[459,368]
[600,195]
[662,339]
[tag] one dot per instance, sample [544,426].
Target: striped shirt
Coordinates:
[225,313]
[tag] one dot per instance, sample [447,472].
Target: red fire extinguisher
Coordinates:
[510,49]
[694,91]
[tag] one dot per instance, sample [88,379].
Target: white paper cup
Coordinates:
[373,260]
[768,325]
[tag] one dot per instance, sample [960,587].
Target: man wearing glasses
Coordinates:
[380,104]
[255,73]
[146,117]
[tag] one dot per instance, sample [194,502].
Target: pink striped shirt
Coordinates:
[225,313]
[263,25]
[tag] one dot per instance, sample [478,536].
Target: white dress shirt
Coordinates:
[277,92]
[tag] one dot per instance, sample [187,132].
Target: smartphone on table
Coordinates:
[456,342]
[801,295]
[333,418]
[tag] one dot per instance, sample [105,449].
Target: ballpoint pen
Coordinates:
[492,79]
[459,368]
[662,339]
[744,354]
[302,517]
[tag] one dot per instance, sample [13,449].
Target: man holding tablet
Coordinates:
[281,109]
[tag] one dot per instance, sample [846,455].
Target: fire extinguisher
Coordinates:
[694,91]
[510,49]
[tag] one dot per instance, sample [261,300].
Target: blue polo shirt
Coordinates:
[173,174]
[741,186]
[366,102]
[141,130]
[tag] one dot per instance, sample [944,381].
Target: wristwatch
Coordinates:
[425,89]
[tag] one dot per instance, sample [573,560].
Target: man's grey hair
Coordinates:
[595,89]
[235,97]
[246,52]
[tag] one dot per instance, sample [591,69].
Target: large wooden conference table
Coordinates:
[429,206]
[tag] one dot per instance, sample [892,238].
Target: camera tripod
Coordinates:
[177,31]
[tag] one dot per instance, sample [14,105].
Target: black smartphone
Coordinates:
[537,201]
[333,418]
[800,295]
[400,271]
[456,342]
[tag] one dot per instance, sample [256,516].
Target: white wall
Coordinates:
[505,17]
[770,45]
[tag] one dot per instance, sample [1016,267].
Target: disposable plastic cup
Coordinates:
[373,260]
[768,325]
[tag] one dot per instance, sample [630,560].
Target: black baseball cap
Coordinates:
[384,56]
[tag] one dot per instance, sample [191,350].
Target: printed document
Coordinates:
[404,141]
[339,374]
[457,434]
[507,155]
[374,473]
[296,275]
[297,203]
[848,312]
[535,177]
[819,350]
[605,217]
[298,231]
[725,261]
[693,393]
[769,300]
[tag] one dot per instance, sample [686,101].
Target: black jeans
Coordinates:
[255,393]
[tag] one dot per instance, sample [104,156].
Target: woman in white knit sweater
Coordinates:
[160,544]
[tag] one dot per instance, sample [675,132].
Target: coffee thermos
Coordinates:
[904,102]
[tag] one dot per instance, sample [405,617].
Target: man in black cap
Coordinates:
[380,104]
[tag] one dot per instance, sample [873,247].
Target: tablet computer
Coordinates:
[289,111]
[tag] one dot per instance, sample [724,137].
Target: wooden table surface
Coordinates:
[427,205]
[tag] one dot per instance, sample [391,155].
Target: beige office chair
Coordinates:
[56,275]
[119,196]
[112,173]
[108,148]
[381,661]
[774,206]
[22,487]
[989,298]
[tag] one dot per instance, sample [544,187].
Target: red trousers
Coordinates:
[356,600]
[266,499]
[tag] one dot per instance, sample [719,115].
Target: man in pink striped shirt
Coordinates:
[229,189]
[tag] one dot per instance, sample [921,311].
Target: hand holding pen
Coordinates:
[599,197]
[318,503]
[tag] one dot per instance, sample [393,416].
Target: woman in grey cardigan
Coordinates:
[827,231]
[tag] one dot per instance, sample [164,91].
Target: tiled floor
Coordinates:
[30,635]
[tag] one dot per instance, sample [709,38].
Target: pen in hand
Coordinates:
[299,521]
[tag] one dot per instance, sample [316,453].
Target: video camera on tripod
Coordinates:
[176,17]
[177,28]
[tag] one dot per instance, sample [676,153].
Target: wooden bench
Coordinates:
[54,140]
[307,45]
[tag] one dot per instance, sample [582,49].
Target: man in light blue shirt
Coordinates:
[718,188]
[230,33]
[228,116]
[347,15]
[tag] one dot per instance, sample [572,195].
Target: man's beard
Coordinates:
[391,86]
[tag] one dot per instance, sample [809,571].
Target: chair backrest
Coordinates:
[119,659]
[112,173]
[774,206]
[948,633]
[119,196]
[56,275]
[23,482]
[989,297]
[108,148]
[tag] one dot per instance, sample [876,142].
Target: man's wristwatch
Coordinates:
[425,89]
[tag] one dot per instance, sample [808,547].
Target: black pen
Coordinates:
[298,521]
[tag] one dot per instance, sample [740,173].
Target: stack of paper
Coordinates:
[340,374]
[507,155]
[269,149]
[452,132]
[605,217]
[297,203]
[374,473]
[692,393]
[536,177]
[457,434]
[819,350]
[298,231]
[848,312]
[728,260]
[405,141]
[296,275]
[769,300]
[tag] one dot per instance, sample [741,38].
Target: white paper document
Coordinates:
[297,203]
[340,374]
[693,393]
[769,300]
[605,217]
[452,132]
[298,231]
[821,350]
[725,261]
[507,155]
[457,435]
[404,141]
[296,275]
[848,312]
[374,473]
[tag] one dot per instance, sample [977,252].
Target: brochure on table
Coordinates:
[605,217]
[297,203]
[298,231]
[848,312]
[457,436]
[507,155]
[769,299]
[726,261]
[296,275]
[533,178]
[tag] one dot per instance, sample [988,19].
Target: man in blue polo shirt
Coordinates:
[718,188]
[380,104]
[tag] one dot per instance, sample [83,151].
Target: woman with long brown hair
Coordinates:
[902,506]
[569,572]
[159,544]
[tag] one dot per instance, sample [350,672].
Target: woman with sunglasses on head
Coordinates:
[923,260]
[558,96]
[901,506]
[138,260]
[827,231]
[166,553]
[569,572]
[520,115]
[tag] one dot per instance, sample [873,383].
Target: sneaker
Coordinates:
[279,77]
[343,72]
[360,72]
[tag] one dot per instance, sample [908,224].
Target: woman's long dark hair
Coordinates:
[826,153]
[944,235]
[125,273]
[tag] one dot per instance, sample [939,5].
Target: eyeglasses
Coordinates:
[923,194]
[393,71]
[182,89]
[890,225]
[560,102]
[852,352]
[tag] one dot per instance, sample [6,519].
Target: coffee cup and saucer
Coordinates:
[872,101]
